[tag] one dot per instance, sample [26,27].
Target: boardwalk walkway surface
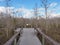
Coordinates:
[29,37]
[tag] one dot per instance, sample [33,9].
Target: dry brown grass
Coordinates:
[53,29]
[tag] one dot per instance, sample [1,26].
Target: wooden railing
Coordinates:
[14,39]
[46,39]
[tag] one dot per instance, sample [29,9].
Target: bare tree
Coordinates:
[36,14]
[46,5]
[8,17]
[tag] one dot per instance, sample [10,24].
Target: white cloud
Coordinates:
[28,13]
[55,15]
[41,9]
[53,4]
[3,10]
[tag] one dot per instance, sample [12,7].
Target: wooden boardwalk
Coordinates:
[28,37]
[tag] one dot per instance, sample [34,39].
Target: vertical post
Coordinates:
[15,42]
[43,40]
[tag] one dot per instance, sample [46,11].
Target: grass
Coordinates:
[0,33]
[54,33]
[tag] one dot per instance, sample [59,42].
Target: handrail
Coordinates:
[9,42]
[47,37]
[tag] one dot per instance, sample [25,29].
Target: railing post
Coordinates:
[43,40]
[15,42]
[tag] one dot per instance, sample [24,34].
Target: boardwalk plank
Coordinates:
[29,37]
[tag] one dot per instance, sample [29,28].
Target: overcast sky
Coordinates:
[26,7]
